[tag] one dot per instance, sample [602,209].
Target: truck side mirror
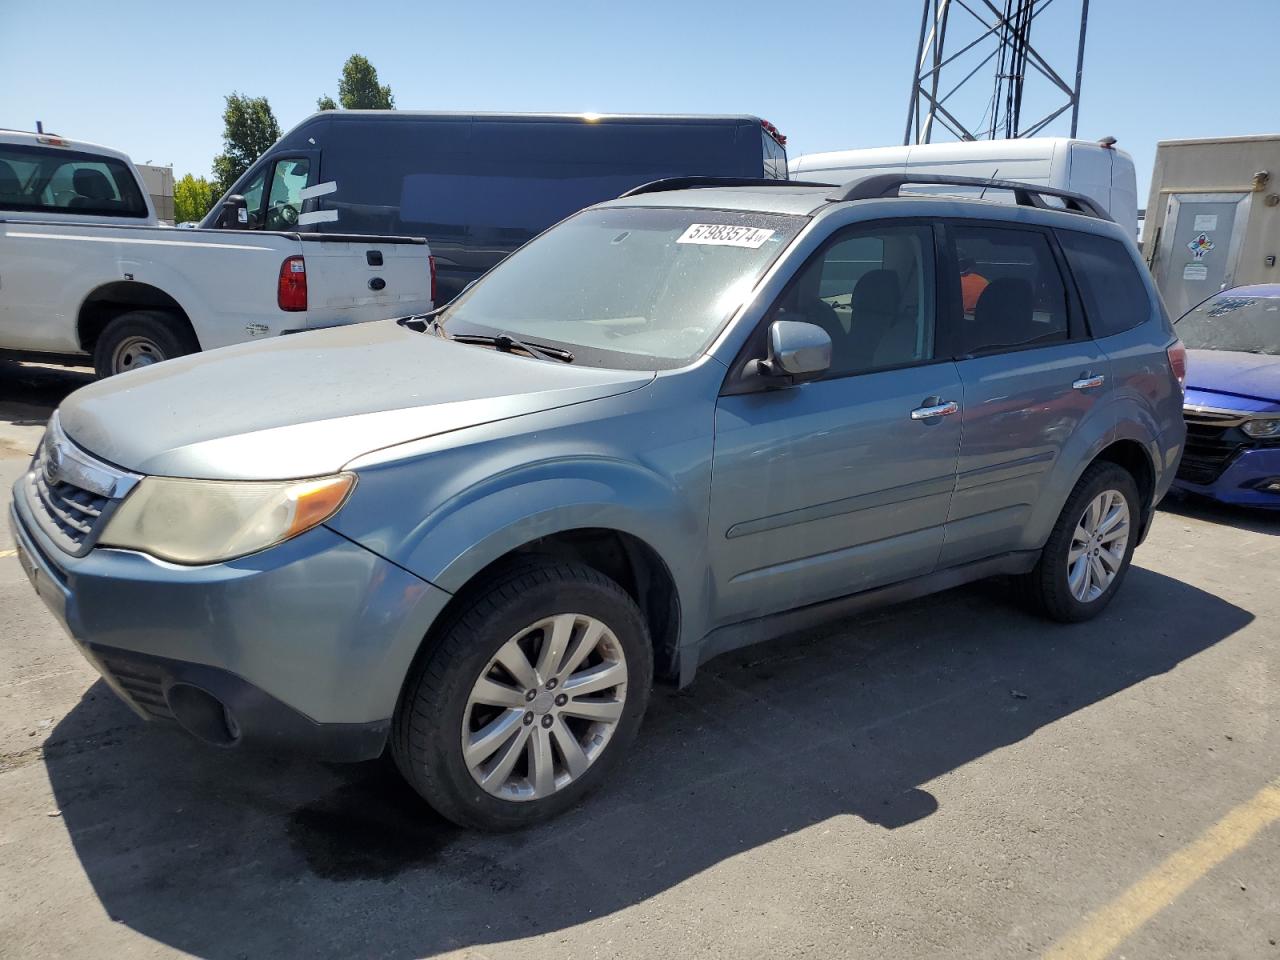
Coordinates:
[235,213]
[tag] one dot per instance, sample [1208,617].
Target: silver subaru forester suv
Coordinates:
[682,421]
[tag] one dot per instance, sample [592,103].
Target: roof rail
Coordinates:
[883,185]
[687,183]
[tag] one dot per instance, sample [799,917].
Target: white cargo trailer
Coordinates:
[1213,216]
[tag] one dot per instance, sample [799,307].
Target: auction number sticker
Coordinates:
[725,235]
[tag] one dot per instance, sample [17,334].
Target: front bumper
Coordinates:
[1244,481]
[305,645]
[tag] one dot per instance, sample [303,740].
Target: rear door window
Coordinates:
[53,180]
[1011,291]
[1115,298]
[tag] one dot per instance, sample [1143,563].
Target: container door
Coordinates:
[1199,247]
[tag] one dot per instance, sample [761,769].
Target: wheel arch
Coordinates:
[625,558]
[1137,460]
[110,300]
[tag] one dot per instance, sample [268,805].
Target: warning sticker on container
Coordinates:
[1195,271]
[1200,246]
[1206,221]
[725,235]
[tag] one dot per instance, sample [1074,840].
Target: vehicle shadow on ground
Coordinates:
[229,855]
[28,393]
[1211,511]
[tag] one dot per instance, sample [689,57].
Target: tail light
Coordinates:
[1178,361]
[432,261]
[291,293]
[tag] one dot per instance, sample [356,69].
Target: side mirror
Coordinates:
[235,212]
[797,352]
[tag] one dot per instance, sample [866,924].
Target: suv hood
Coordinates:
[305,405]
[1254,376]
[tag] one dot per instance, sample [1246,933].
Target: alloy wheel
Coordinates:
[1098,546]
[545,707]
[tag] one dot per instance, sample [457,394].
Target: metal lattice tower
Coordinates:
[965,45]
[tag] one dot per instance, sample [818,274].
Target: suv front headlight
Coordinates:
[207,521]
[1261,429]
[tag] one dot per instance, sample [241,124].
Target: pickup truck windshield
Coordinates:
[1234,320]
[632,287]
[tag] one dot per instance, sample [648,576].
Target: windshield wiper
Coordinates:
[423,322]
[507,343]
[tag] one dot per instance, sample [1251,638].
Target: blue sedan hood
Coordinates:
[1248,376]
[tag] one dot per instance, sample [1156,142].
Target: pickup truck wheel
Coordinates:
[529,698]
[140,338]
[1090,548]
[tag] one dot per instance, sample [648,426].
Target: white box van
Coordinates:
[1097,170]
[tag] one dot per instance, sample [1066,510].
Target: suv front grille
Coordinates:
[71,493]
[74,512]
[1214,440]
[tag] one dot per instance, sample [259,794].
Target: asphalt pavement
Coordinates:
[949,778]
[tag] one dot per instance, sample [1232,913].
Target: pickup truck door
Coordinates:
[42,268]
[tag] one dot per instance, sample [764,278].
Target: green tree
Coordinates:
[250,128]
[358,88]
[192,198]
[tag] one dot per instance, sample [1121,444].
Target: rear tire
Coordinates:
[1089,551]
[140,338]
[489,728]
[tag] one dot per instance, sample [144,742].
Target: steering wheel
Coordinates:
[287,213]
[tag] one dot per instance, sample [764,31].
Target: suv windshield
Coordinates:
[638,287]
[1234,320]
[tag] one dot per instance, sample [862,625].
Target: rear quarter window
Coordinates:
[56,180]
[1115,297]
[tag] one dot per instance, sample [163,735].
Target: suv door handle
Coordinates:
[1088,383]
[942,408]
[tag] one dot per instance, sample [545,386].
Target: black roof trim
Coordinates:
[882,186]
[690,183]
[885,185]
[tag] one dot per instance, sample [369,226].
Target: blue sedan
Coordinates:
[1232,404]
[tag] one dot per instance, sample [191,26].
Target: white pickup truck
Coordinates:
[86,269]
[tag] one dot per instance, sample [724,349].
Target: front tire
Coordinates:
[140,338]
[530,696]
[1091,546]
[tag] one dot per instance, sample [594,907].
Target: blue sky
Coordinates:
[149,78]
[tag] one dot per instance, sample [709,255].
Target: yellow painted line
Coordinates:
[8,553]
[1105,929]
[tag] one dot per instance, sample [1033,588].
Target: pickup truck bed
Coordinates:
[87,271]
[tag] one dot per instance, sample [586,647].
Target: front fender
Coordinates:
[487,521]
[638,464]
